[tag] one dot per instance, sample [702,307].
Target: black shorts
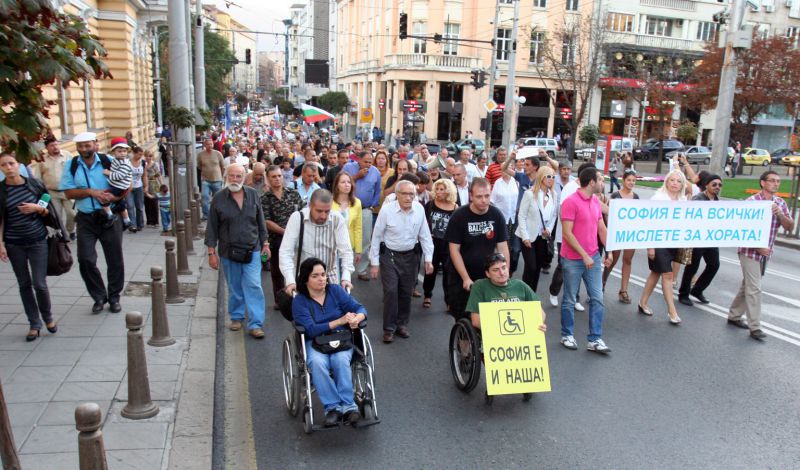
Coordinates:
[662,262]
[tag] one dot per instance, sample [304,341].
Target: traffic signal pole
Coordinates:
[509,125]
[492,74]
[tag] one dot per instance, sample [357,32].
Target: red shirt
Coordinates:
[494,172]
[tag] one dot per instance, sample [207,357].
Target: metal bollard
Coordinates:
[8,450]
[173,288]
[91,450]
[160,336]
[183,262]
[139,406]
[195,220]
[187,223]
[198,209]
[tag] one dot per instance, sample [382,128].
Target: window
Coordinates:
[707,31]
[419,29]
[620,22]
[658,26]
[537,47]
[506,2]
[451,31]
[503,43]
[568,50]
[792,33]
[539,3]
[572,5]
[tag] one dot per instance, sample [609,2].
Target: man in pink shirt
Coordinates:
[582,223]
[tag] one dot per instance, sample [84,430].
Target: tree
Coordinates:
[573,59]
[335,102]
[589,134]
[687,132]
[767,77]
[40,46]
[285,107]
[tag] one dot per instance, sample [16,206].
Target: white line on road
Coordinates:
[782,274]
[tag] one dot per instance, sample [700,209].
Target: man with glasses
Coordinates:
[754,260]
[710,186]
[401,234]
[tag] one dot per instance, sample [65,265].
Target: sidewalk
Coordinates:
[86,361]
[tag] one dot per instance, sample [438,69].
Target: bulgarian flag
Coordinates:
[312,114]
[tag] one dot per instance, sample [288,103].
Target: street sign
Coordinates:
[617,108]
[565,113]
[413,106]
[490,105]
[366,114]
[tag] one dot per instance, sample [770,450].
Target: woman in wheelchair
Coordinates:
[328,312]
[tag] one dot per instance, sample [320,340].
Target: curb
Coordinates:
[785,242]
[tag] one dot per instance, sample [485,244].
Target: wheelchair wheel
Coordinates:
[465,360]
[527,396]
[308,425]
[291,378]
[369,412]
[488,399]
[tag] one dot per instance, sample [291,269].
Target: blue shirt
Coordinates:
[337,303]
[525,184]
[96,180]
[368,188]
[305,195]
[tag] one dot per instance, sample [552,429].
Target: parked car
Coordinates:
[777,155]
[466,144]
[791,159]
[548,145]
[756,157]
[694,154]
[650,150]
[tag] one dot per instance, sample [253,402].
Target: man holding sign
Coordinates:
[754,260]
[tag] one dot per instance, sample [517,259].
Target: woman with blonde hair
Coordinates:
[660,260]
[154,182]
[538,213]
[349,206]
[438,212]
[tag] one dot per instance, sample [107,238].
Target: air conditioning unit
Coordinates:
[788,3]
[769,8]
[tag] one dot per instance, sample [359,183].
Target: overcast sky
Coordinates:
[260,15]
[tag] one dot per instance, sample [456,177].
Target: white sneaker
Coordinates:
[579,307]
[569,342]
[598,346]
[554,300]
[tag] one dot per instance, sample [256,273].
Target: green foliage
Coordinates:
[286,108]
[39,46]
[589,134]
[179,117]
[241,102]
[208,119]
[334,102]
[687,132]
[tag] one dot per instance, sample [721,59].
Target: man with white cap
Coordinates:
[83,180]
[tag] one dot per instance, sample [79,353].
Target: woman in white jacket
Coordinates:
[538,213]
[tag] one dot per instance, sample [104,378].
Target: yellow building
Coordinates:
[374,64]
[111,107]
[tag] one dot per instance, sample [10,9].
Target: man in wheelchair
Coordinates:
[328,313]
[499,287]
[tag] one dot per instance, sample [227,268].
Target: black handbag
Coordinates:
[333,342]
[59,255]
[240,253]
[282,298]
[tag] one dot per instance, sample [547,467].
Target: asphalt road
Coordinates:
[702,395]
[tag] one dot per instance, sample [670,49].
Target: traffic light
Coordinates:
[482,80]
[475,75]
[247,56]
[403,25]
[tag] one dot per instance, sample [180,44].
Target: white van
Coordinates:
[548,145]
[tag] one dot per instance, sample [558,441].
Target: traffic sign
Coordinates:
[490,105]
[366,114]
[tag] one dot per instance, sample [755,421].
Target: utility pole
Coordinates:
[199,59]
[179,96]
[157,80]
[493,74]
[508,113]
[727,88]
[288,24]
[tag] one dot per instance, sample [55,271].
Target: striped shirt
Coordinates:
[327,242]
[164,200]
[19,228]
[752,253]
[121,175]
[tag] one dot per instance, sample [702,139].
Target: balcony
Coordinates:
[645,41]
[446,63]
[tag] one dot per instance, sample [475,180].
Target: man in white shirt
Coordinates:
[400,227]
[462,187]
[465,158]
[235,157]
[49,171]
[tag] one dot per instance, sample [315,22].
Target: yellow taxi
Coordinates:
[793,159]
[753,156]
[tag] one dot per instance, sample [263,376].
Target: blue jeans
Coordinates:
[514,247]
[209,189]
[574,271]
[136,207]
[335,393]
[166,217]
[244,290]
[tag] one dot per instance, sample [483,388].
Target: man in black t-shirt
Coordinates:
[475,231]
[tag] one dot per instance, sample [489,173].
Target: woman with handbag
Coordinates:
[23,241]
[328,313]
[660,260]
[538,213]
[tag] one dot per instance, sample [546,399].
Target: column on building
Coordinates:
[432,114]
[551,120]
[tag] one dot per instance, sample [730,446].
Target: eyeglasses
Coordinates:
[550,177]
[772,180]
[406,194]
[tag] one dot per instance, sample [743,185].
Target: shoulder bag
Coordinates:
[282,298]
[550,244]
[332,342]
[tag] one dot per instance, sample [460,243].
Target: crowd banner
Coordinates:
[640,223]
[514,349]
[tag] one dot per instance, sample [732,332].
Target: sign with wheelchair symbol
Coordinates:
[514,350]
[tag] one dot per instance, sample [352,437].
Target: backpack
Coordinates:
[105,161]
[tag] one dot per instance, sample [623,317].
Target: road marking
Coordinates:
[722,312]
[782,274]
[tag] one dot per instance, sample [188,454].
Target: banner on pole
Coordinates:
[639,223]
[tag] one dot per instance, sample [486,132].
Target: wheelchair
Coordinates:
[298,390]
[466,357]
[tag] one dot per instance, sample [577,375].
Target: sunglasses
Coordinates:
[629,172]
[550,177]
[494,258]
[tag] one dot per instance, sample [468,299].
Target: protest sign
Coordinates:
[639,223]
[514,350]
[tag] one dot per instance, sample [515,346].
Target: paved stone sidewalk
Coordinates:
[86,361]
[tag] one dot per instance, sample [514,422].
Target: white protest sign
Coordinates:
[638,223]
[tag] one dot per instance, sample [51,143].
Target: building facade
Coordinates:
[270,72]
[244,77]
[309,48]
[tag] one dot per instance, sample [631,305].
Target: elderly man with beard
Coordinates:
[236,225]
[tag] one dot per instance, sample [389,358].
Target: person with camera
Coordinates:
[84,181]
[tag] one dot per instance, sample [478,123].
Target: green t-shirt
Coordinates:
[484,291]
